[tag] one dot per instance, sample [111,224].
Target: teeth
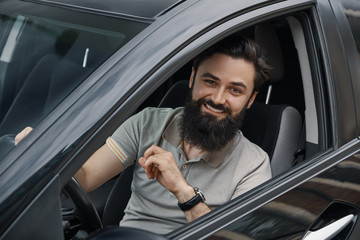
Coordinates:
[214,109]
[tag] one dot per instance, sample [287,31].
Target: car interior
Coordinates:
[56,69]
[48,60]
[283,120]
[274,122]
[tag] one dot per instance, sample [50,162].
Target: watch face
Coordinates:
[197,190]
[202,196]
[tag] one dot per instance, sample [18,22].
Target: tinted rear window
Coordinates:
[46,52]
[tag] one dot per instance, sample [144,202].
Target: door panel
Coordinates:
[291,214]
[337,221]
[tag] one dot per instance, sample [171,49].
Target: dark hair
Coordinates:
[239,47]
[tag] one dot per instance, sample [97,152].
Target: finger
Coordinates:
[20,136]
[155,170]
[142,161]
[146,163]
[150,168]
[150,174]
[153,150]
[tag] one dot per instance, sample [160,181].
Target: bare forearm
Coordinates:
[99,168]
[197,211]
[80,176]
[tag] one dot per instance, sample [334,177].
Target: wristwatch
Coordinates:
[199,197]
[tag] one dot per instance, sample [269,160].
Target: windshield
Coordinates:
[45,53]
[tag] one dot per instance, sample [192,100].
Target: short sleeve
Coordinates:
[124,142]
[260,173]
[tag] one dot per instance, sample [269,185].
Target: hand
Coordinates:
[160,164]
[20,136]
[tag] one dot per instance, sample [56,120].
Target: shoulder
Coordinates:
[152,119]
[251,153]
[249,146]
[160,113]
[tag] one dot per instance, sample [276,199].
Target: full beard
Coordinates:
[204,130]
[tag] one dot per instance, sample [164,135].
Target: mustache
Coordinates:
[212,104]
[204,130]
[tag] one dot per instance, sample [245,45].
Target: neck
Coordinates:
[191,151]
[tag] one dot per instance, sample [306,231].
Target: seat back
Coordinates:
[118,198]
[266,38]
[277,130]
[54,77]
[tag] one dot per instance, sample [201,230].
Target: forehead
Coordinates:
[228,69]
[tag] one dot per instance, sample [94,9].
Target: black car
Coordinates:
[74,70]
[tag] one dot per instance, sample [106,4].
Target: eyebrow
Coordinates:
[209,75]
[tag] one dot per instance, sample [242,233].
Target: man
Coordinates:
[182,154]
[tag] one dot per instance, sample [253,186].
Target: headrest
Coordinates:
[65,41]
[266,38]
[89,49]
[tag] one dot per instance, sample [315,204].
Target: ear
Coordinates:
[191,77]
[251,100]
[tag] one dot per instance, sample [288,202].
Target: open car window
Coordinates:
[302,87]
[293,82]
[296,82]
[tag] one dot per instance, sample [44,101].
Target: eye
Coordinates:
[236,91]
[210,82]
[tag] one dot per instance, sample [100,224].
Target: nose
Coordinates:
[219,96]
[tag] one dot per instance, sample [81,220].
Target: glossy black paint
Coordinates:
[114,91]
[100,98]
[343,104]
[137,8]
[244,205]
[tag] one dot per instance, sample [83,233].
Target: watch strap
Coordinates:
[199,197]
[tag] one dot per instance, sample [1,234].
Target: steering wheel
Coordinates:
[86,211]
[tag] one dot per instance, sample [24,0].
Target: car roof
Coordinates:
[138,8]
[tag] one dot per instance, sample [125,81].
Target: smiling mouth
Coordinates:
[215,110]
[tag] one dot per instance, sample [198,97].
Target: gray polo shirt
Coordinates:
[221,176]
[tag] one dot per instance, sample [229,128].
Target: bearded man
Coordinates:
[186,154]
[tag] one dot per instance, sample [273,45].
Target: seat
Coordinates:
[54,77]
[266,38]
[277,130]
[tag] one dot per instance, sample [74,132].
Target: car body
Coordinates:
[140,49]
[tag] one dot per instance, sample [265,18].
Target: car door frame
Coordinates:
[96,130]
[68,131]
[351,52]
[343,147]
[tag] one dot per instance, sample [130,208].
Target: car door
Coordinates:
[319,197]
[123,87]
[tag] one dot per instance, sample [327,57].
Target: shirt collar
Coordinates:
[172,135]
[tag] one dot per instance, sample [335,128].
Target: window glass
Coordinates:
[352,11]
[45,53]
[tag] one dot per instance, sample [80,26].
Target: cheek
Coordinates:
[237,105]
[199,92]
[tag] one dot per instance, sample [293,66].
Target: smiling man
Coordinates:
[186,154]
